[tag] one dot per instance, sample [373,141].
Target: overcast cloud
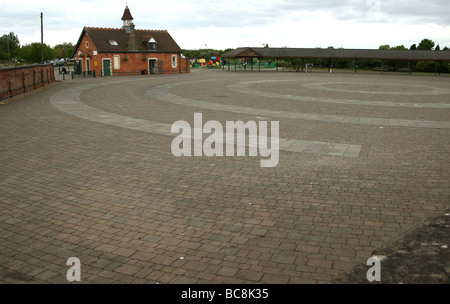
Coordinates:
[232,23]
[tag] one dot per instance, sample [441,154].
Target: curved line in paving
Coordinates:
[162,93]
[69,102]
[425,90]
[243,88]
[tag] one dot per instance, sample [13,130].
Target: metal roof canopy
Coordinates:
[356,54]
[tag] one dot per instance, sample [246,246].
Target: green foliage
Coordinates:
[400,47]
[9,46]
[64,50]
[425,66]
[31,53]
[204,53]
[426,44]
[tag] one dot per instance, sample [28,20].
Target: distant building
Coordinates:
[127,51]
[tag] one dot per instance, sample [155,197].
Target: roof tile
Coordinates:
[101,37]
[127,14]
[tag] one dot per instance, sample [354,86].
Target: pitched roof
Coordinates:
[101,38]
[127,14]
[338,54]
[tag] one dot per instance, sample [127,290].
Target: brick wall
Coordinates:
[134,63]
[130,63]
[185,65]
[14,81]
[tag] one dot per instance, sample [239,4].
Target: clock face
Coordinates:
[128,22]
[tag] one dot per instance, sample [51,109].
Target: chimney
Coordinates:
[132,44]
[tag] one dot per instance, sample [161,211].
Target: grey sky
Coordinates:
[232,23]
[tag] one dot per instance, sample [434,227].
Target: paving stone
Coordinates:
[87,172]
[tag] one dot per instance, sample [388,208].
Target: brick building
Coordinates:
[128,51]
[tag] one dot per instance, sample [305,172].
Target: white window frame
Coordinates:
[174,65]
[115,67]
[152,44]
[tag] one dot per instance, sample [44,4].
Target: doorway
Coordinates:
[106,67]
[153,66]
[88,66]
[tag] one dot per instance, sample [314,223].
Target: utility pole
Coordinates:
[7,42]
[42,37]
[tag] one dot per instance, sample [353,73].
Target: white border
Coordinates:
[176,61]
[114,63]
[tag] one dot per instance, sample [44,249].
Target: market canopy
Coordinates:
[317,53]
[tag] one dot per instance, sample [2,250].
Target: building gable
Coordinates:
[81,44]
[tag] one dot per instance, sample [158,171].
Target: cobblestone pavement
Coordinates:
[87,171]
[419,255]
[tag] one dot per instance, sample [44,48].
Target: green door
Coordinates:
[107,67]
[88,66]
[79,67]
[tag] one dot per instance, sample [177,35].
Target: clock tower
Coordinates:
[127,19]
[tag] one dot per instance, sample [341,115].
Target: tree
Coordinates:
[413,47]
[9,46]
[426,44]
[32,52]
[399,47]
[64,50]
[437,48]
[384,47]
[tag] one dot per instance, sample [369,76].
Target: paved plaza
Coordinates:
[87,171]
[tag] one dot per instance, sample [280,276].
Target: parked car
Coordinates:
[59,62]
[385,68]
